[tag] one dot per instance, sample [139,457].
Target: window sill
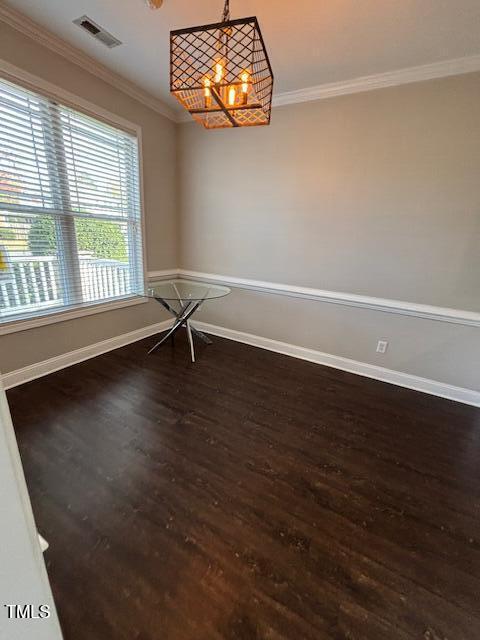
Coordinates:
[62,316]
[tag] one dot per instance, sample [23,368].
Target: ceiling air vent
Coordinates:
[97,31]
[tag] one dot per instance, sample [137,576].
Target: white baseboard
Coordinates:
[39,369]
[433,387]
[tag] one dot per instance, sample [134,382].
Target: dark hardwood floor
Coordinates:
[251,496]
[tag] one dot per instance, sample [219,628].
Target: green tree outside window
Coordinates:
[101,238]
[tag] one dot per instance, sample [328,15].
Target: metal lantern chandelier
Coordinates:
[221,73]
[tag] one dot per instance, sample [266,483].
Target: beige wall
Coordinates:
[159,151]
[374,193]
[438,351]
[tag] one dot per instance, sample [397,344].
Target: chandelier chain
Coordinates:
[226,11]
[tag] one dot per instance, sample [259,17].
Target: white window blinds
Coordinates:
[70,213]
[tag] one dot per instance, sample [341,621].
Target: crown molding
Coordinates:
[33,30]
[409,75]
[442,69]
[456,66]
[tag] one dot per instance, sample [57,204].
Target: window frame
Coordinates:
[34,83]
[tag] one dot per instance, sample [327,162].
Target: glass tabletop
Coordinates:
[182,290]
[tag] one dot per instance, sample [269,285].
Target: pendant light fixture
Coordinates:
[221,73]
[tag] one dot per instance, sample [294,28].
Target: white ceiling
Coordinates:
[310,42]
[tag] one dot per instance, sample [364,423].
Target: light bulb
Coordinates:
[207,83]
[245,78]
[218,72]
[232,95]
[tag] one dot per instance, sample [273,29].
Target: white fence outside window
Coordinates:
[35,281]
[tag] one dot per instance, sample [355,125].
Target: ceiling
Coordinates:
[310,42]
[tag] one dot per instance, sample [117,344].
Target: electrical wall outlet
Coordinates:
[382,346]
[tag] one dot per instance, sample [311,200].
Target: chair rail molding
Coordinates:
[385,305]
[163,274]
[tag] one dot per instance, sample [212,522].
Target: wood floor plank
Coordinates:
[251,496]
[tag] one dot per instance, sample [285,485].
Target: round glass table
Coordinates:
[182,298]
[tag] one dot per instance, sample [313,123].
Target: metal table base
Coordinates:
[182,319]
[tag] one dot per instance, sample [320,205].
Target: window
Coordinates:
[70,213]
